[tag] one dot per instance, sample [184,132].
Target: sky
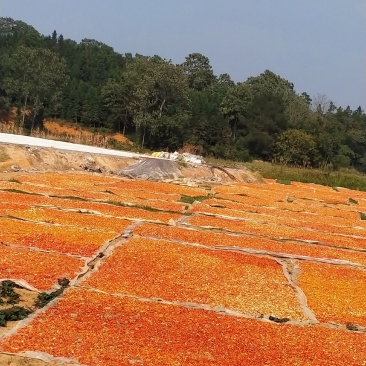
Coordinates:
[319,45]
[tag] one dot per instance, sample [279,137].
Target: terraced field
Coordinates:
[166,274]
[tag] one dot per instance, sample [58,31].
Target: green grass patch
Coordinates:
[348,178]
[352,200]
[283,181]
[12,190]
[109,192]
[191,199]
[224,162]
[140,207]
[362,216]
[74,198]
[14,181]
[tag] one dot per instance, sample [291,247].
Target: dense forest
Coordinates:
[161,105]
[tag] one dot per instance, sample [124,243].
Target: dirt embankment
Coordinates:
[25,158]
[29,158]
[14,158]
[12,360]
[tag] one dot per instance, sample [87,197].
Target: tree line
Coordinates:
[167,106]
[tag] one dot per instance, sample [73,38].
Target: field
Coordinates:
[167,274]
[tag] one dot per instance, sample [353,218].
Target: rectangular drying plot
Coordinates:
[214,239]
[277,231]
[159,188]
[98,329]
[175,272]
[335,293]
[118,211]
[51,237]
[286,218]
[39,269]
[150,209]
[25,188]
[66,180]
[81,220]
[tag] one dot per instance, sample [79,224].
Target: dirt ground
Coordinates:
[27,299]
[30,159]
[10,360]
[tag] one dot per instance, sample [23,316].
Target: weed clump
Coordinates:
[278,320]
[44,298]
[7,293]
[352,327]
[12,180]
[9,297]
[12,314]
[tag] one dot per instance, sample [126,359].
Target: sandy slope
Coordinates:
[29,153]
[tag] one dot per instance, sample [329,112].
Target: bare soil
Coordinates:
[12,360]
[30,159]
[27,299]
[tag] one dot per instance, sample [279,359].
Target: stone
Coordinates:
[16,168]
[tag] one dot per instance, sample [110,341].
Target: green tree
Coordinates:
[160,89]
[261,108]
[207,124]
[34,78]
[306,98]
[14,33]
[224,80]
[117,99]
[235,106]
[92,108]
[199,71]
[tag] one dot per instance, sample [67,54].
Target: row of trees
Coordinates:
[161,105]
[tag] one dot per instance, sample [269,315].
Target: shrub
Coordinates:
[294,147]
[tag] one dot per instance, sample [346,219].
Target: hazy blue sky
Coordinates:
[319,45]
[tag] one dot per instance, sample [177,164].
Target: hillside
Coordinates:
[165,106]
[158,273]
[111,254]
